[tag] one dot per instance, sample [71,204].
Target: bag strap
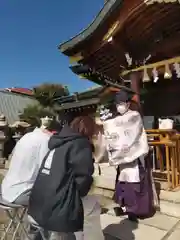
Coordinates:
[44,159]
[116,181]
[117,174]
[99,169]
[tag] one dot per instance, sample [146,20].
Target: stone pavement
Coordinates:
[159,227]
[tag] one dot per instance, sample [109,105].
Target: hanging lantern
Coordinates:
[177,69]
[155,75]
[146,77]
[167,74]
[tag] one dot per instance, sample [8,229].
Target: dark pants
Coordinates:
[137,198]
[34,233]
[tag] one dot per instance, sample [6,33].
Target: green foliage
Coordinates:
[33,113]
[1,178]
[46,92]
[45,95]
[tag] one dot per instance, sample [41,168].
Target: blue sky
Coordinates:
[30,31]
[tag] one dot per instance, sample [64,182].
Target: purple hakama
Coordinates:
[137,198]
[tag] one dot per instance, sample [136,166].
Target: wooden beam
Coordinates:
[135,86]
[152,65]
[128,8]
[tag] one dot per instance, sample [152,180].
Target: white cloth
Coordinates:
[129,172]
[100,153]
[126,139]
[25,163]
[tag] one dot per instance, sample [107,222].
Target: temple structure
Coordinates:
[135,43]
[127,35]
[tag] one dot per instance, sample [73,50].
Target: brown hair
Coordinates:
[85,125]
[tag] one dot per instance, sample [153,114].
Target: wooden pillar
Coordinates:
[135,86]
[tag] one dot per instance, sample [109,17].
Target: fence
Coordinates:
[165,156]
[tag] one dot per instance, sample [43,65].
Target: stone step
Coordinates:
[2,165]
[169,202]
[170,208]
[104,187]
[159,227]
[167,206]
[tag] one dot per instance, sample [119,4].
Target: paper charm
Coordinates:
[146,77]
[167,73]
[128,59]
[155,75]
[177,69]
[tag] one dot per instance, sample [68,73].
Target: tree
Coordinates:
[46,93]
[33,113]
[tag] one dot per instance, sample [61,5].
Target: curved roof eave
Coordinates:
[108,8]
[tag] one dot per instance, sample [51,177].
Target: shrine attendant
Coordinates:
[133,189]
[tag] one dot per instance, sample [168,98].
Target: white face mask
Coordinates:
[122,108]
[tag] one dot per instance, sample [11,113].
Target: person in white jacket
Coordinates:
[25,163]
[24,166]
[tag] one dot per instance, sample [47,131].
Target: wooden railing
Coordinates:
[165,156]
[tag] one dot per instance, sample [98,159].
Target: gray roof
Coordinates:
[12,104]
[78,104]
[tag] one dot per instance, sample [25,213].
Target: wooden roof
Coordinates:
[78,101]
[88,99]
[76,43]
[88,94]
[85,72]
[147,32]
[82,104]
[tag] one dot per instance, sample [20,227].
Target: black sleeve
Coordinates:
[82,164]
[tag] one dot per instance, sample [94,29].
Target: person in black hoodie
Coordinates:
[65,177]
